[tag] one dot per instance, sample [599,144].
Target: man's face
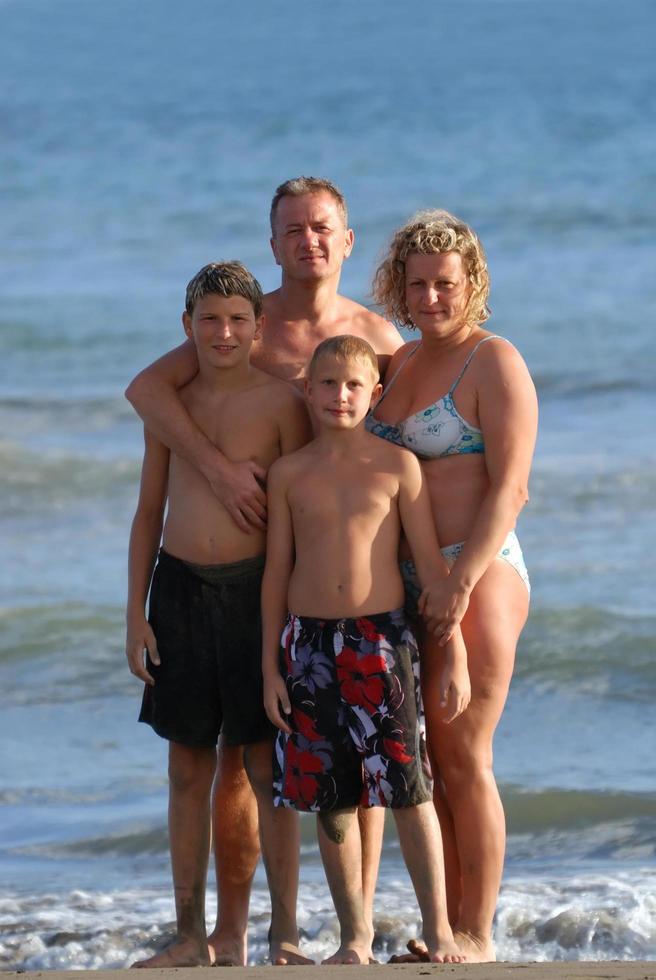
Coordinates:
[310,241]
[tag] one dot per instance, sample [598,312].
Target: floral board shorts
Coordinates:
[356,740]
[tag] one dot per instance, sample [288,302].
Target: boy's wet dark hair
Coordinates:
[225,279]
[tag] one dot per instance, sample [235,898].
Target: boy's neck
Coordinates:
[341,442]
[312,301]
[225,378]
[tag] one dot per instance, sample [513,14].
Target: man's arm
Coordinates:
[419,527]
[144,541]
[154,396]
[277,572]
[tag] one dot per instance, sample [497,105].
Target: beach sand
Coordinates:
[570,970]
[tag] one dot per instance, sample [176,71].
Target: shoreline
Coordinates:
[568,969]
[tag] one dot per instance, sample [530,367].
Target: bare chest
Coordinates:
[331,499]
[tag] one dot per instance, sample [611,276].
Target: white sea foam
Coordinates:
[543,918]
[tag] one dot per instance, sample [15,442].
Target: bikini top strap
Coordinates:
[398,371]
[493,336]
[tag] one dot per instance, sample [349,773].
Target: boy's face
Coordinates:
[223,329]
[341,392]
[310,240]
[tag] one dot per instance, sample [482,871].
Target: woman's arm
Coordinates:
[277,572]
[154,396]
[419,528]
[145,536]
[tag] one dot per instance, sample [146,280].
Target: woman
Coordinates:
[463,401]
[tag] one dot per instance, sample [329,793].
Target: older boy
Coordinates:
[347,706]
[202,637]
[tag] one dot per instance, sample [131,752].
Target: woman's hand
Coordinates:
[443,605]
[455,688]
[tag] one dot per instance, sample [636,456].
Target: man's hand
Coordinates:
[443,607]
[240,488]
[276,702]
[140,638]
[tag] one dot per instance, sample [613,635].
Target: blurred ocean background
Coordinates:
[139,141]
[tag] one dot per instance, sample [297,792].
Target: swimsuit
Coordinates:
[510,551]
[353,685]
[436,431]
[206,619]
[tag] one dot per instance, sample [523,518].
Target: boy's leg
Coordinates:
[421,845]
[341,853]
[236,853]
[280,840]
[191,771]
[371,821]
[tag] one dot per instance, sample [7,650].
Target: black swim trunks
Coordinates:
[206,620]
[353,685]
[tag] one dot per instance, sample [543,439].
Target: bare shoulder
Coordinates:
[398,357]
[395,459]
[499,355]
[380,333]
[287,467]
[275,390]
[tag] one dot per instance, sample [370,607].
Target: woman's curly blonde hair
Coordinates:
[429,233]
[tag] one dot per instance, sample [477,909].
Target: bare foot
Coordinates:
[184,952]
[476,949]
[417,953]
[286,954]
[350,954]
[226,950]
[445,951]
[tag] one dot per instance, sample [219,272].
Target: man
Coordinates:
[310,239]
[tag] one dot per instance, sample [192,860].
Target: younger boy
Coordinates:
[341,683]
[203,634]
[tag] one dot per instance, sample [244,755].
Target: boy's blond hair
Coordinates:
[225,279]
[345,348]
[299,187]
[432,233]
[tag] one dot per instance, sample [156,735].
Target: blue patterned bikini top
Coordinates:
[435,431]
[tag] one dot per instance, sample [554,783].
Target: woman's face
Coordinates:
[437,291]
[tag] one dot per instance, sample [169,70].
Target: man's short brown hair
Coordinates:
[299,187]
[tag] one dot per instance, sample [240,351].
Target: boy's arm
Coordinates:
[144,541]
[277,572]
[419,528]
[154,396]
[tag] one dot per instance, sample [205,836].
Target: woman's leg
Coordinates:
[462,753]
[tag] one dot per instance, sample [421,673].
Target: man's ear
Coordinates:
[274,249]
[349,241]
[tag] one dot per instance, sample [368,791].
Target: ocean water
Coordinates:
[138,142]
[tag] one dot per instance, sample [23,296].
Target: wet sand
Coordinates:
[605,970]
